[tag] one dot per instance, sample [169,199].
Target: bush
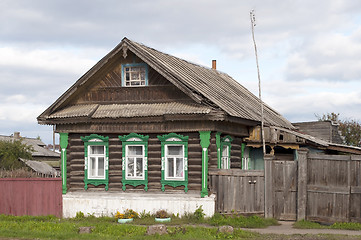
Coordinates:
[11,151]
[17,173]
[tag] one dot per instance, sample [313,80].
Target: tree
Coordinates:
[11,151]
[350,128]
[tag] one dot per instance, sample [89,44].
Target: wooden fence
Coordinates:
[333,188]
[31,196]
[238,191]
[324,188]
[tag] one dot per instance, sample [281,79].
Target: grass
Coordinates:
[303,224]
[190,226]
[50,227]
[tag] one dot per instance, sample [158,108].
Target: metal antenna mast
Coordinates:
[253,24]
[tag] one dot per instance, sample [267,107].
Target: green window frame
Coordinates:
[134,160]
[174,171]
[225,152]
[134,75]
[96,160]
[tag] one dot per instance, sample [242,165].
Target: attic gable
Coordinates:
[110,87]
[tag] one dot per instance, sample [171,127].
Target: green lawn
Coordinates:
[190,226]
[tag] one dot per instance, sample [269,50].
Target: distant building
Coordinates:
[41,153]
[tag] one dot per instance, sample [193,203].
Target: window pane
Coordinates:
[225,163]
[100,167]
[139,170]
[179,166]
[96,149]
[92,164]
[170,162]
[225,151]
[175,150]
[135,150]
[130,167]
[135,76]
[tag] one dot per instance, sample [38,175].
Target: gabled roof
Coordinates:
[205,86]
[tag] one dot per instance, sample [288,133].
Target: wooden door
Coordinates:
[285,189]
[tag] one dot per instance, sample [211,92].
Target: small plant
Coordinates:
[145,214]
[79,215]
[161,214]
[199,214]
[129,213]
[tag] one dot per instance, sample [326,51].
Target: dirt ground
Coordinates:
[286,231]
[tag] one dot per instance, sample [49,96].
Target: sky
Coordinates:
[309,51]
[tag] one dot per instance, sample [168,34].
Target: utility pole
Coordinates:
[253,24]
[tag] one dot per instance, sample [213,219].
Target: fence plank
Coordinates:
[31,196]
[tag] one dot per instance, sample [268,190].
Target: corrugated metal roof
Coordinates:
[40,167]
[132,110]
[216,86]
[75,111]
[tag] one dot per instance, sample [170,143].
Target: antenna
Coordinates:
[253,24]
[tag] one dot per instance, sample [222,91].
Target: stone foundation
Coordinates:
[108,203]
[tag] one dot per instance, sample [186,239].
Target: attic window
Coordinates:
[134,75]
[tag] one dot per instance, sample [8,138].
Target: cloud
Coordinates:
[332,57]
[308,50]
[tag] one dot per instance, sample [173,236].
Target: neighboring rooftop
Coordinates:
[37,144]
[325,130]
[41,168]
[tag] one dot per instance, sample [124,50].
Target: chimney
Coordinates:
[17,135]
[214,64]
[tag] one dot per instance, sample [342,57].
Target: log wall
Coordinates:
[75,163]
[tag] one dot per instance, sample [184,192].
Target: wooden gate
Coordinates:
[334,188]
[238,191]
[285,189]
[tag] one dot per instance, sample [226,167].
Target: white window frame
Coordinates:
[225,159]
[135,156]
[96,156]
[128,69]
[167,177]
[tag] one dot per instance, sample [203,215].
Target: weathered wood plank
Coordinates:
[236,172]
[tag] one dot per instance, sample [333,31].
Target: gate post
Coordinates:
[268,186]
[302,184]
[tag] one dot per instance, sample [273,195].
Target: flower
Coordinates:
[161,214]
[129,213]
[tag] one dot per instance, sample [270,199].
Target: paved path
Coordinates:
[287,229]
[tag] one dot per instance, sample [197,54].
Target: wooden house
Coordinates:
[142,128]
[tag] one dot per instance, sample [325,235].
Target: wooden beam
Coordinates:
[268,195]
[302,184]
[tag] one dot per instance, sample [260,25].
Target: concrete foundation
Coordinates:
[108,203]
